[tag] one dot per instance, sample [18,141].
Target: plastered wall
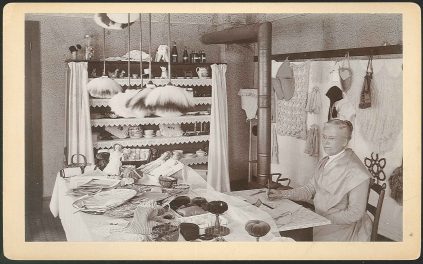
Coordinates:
[291,33]
[58,33]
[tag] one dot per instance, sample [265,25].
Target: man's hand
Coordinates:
[273,194]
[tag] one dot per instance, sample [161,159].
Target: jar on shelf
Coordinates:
[135,132]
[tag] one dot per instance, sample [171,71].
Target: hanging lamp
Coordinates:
[169,100]
[137,103]
[123,103]
[104,20]
[103,87]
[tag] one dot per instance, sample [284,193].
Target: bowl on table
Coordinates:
[167,182]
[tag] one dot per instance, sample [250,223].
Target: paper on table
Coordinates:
[148,179]
[168,168]
[284,206]
[281,206]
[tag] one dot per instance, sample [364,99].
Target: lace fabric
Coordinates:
[291,115]
[382,123]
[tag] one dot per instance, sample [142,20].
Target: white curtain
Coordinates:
[218,162]
[78,125]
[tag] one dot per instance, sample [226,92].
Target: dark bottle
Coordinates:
[174,53]
[195,57]
[185,58]
[191,57]
[198,57]
[203,56]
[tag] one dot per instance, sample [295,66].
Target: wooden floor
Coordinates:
[43,227]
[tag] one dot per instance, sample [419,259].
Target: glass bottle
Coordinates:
[195,57]
[89,50]
[174,53]
[192,57]
[198,57]
[185,58]
[203,57]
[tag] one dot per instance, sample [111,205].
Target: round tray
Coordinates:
[223,231]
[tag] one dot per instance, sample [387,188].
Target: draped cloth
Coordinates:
[218,162]
[312,142]
[314,101]
[78,124]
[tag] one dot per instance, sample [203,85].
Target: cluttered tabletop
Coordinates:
[168,201]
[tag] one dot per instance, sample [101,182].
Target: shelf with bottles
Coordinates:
[119,69]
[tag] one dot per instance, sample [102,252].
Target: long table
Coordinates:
[297,216]
[80,226]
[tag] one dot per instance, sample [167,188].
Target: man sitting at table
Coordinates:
[339,188]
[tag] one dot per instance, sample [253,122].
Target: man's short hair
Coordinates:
[342,124]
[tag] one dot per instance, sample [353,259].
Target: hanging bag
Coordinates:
[345,74]
[365,96]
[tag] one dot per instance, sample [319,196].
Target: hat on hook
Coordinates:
[103,20]
[284,83]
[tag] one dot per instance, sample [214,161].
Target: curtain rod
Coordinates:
[327,54]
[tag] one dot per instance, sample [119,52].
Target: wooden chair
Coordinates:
[375,211]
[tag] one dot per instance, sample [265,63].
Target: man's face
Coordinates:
[334,140]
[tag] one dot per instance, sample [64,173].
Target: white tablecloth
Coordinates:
[81,226]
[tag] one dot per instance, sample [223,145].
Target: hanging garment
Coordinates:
[275,146]
[381,124]
[334,94]
[312,142]
[249,102]
[345,74]
[345,109]
[284,83]
[314,102]
[365,96]
[291,115]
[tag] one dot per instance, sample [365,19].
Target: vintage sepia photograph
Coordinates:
[269,127]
